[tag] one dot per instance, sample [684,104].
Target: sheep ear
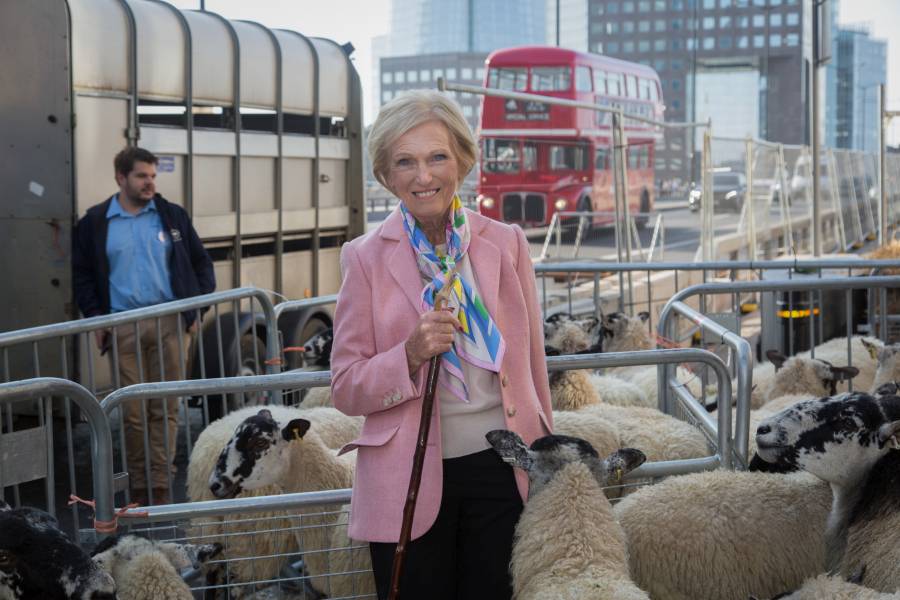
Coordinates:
[872,346]
[776,358]
[295,430]
[511,448]
[887,434]
[265,413]
[844,373]
[621,462]
[643,316]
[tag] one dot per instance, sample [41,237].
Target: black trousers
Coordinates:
[465,555]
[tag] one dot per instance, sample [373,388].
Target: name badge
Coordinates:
[176,235]
[161,236]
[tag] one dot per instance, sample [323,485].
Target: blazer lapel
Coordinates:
[402,262]
[485,260]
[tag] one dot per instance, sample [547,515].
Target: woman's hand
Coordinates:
[433,335]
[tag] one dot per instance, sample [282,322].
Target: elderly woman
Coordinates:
[490,339]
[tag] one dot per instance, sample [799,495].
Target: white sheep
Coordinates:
[599,432]
[316,397]
[307,464]
[826,587]
[724,534]
[576,388]
[658,435]
[833,351]
[150,570]
[849,441]
[37,560]
[289,455]
[567,544]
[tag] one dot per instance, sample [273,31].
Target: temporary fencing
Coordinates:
[811,309]
[238,334]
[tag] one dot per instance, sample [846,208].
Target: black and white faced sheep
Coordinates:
[37,560]
[151,570]
[264,452]
[622,333]
[567,543]
[849,441]
[317,349]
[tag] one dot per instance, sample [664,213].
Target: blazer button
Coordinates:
[504,381]
[511,411]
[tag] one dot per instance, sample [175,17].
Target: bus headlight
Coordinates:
[486,202]
[561,204]
[730,195]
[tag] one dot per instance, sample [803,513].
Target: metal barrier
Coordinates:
[740,346]
[656,245]
[636,287]
[28,455]
[156,337]
[718,433]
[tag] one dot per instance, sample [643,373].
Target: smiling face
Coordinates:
[836,439]
[423,172]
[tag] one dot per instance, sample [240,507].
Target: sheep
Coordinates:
[658,435]
[833,351]
[849,441]
[576,388]
[799,375]
[279,541]
[887,359]
[567,544]
[37,560]
[264,452]
[148,570]
[722,535]
[599,432]
[826,587]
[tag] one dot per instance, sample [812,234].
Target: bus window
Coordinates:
[599,81]
[614,84]
[644,88]
[583,79]
[500,156]
[508,78]
[601,159]
[654,92]
[551,79]
[529,156]
[633,157]
[569,158]
[632,86]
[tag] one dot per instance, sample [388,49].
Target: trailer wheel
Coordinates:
[253,356]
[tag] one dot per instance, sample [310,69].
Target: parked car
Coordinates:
[728,192]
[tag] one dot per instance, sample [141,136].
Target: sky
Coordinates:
[358,21]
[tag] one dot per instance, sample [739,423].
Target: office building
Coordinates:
[861,67]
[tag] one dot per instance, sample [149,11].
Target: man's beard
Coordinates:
[136,198]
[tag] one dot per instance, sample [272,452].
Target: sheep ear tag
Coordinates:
[295,430]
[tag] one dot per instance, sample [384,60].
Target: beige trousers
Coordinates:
[157,418]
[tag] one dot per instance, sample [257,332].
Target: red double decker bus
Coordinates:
[539,158]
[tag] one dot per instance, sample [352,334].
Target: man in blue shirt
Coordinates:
[134,250]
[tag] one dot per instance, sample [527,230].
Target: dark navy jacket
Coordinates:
[190,268]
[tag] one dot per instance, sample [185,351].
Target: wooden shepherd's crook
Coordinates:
[415,478]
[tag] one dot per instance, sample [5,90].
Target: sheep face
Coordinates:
[622,333]
[256,455]
[37,560]
[887,358]
[564,334]
[567,338]
[317,349]
[791,372]
[549,454]
[837,439]
[117,551]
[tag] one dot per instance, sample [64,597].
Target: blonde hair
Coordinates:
[409,110]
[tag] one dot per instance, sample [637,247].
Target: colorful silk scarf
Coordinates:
[478,341]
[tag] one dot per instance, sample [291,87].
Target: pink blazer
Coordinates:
[377,308]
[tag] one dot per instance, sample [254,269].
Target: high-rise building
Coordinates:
[568,19]
[441,26]
[743,63]
[861,67]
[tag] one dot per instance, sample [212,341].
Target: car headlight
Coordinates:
[486,202]
[730,195]
[561,203]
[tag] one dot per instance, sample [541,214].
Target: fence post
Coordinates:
[748,198]
[706,197]
[785,207]
[621,183]
[882,194]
